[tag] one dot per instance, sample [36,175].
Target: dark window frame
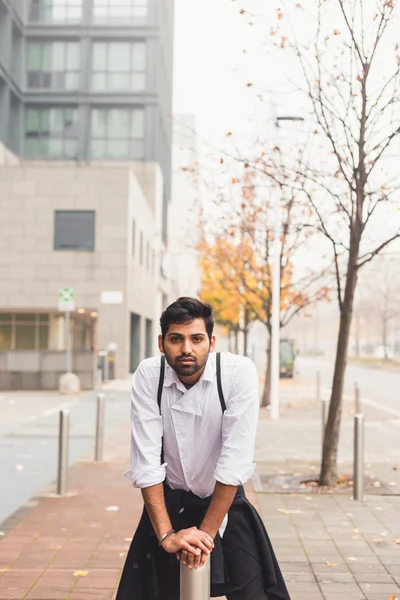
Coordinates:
[88,247]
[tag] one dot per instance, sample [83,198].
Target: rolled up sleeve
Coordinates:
[146,432]
[235,465]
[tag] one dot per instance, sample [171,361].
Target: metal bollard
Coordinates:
[357,405]
[358,475]
[62,481]
[98,453]
[195,583]
[325,408]
[318,385]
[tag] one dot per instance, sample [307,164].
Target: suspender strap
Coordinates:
[161,382]
[159,396]
[219,384]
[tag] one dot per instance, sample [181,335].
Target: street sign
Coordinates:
[66,300]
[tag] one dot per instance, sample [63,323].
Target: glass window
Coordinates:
[25,337]
[74,230]
[53,65]
[5,337]
[43,341]
[119,66]
[117,133]
[55,11]
[51,132]
[24,317]
[119,11]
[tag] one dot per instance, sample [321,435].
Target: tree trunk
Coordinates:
[236,341]
[328,474]
[266,398]
[245,332]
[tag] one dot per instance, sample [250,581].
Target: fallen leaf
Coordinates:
[351,558]
[228,134]
[122,553]
[393,597]
[2,533]
[128,539]
[55,547]
[332,564]
[5,570]
[112,508]
[356,530]
[395,468]
[80,573]
[397,541]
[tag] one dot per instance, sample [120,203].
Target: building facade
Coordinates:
[85,178]
[90,228]
[87,80]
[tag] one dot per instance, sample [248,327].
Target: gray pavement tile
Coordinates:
[301,577]
[302,587]
[325,557]
[306,596]
[375,588]
[358,568]
[322,568]
[340,587]
[293,567]
[379,596]
[391,560]
[353,596]
[336,577]
[373,578]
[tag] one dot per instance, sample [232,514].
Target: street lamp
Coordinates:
[276,298]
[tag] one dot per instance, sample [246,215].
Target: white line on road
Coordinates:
[368,401]
[51,411]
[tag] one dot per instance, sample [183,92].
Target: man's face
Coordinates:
[186,347]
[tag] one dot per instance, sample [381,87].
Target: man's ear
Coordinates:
[212,344]
[160,344]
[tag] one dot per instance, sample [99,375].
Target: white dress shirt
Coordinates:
[202,444]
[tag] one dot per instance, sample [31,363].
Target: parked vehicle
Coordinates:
[287,356]
[384,353]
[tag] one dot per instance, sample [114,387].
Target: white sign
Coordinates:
[112,297]
[66,300]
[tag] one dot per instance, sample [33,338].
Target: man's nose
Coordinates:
[186,347]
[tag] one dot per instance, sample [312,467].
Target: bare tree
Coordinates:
[351,72]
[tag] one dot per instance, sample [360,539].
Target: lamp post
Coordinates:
[276,297]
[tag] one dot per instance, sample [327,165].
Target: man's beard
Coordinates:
[188,369]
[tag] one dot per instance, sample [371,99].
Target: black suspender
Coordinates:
[161,382]
[219,382]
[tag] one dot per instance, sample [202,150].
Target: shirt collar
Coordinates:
[207,375]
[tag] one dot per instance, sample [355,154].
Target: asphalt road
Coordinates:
[379,387]
[29,439]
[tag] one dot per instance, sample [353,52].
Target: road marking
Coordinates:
[368,401]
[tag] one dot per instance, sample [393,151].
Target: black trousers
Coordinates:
[241,556]
[243,565]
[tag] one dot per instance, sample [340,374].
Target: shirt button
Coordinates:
[148,555]
[135,566]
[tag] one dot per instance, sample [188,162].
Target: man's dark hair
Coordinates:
[185,310]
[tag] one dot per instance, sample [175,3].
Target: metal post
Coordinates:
[358,475]
[276,310]
[325,407]
[62,481]
[98,453]
[357,406]
[318,385]
[68,340]
[195,583]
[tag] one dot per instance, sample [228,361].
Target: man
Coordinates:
[194,419]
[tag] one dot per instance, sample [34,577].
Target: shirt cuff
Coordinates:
[142,478]
[234,475]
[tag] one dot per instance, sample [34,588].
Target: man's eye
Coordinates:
[198,339]
[174,340]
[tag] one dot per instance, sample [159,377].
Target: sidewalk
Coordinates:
[328,546]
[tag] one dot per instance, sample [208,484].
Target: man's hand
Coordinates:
[192,546]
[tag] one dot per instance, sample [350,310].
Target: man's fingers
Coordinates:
[190,560]
[203,558]
[186,547]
